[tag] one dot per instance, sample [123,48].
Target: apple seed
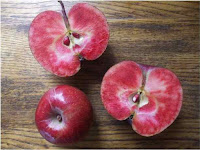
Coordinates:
[76,35]
[66,41]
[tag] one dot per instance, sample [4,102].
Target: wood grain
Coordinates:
[163,34]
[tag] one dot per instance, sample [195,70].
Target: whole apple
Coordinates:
[60,41]
[64,115]
[149,97]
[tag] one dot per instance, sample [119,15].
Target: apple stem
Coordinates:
[59,118]
[64,15]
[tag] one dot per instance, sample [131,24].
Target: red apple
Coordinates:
[59,41]
[64,115]
[150,97]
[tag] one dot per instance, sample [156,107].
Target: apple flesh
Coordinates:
[149,97]
[59,41]
[64,115]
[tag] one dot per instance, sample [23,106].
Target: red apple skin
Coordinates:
[75,110]
[161,87]
[48,34]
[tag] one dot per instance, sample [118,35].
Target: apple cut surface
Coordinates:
[89,22]
[64,115]
[149,97]
[58,45]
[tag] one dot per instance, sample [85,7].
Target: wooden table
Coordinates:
[163,34]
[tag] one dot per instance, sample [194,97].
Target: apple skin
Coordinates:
[49,38]
[159,91]
[74,110]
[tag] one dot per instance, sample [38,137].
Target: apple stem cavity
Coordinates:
[64,15]
[59,118]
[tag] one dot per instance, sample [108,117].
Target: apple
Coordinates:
[149,97]
[59,41]
[64,115]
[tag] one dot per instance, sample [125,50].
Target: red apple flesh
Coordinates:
[59,41]
[64,115]
[149,97]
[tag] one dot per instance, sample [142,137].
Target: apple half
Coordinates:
[64,115]
[59,41]
[150,98]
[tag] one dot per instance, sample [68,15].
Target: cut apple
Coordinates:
[58,41]
[150,97]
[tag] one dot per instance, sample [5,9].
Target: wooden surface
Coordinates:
[163,34]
